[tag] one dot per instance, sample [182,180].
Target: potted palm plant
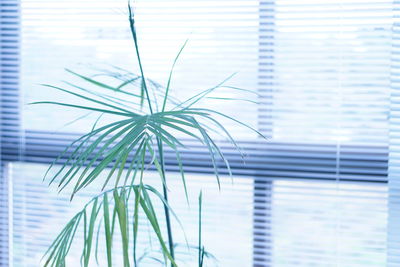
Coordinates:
[147,122]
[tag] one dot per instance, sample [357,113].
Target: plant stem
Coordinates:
[159,141]
[200,247]
[133,32]
[165,192]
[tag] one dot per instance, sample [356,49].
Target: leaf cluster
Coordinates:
[146,118]
[109,210]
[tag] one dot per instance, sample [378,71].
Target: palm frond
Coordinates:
[133,142]
[97,212]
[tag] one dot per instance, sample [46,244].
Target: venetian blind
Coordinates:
[325,75]
[9,107]
[322,72]
[393,177]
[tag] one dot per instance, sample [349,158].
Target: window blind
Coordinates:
[325,70]
[322,72]
[393,177]
[323,89]
[325,74]
[9,108]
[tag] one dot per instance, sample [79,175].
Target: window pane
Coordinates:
[92,35]
[39,213]
[327,70]
[328,224]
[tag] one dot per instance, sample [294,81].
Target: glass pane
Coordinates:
[39,213]
[328,224]
[91,36]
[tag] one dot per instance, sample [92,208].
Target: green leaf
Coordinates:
[111,154]
[210,149]
[157,164]
[230,118]
[182,172]
[122,213]
[135,224]
[170,75]
[89,237]
[241,89]
[151,216]
[116,100]
[165,122]
[196,98]
[232,99]
[107,229]
[84,156]
[164,135]
[92,81]
[134,162]
[85,138]
[164,201]
[230,138]
[127,82]
[86,108]
[92,99]
[97,242]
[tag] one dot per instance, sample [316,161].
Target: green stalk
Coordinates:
[165,192]
[133,31]
[200,258]
[159,141]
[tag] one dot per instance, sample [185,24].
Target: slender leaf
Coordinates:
[107,230]
[170,75]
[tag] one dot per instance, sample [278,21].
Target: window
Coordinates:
[317,193]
